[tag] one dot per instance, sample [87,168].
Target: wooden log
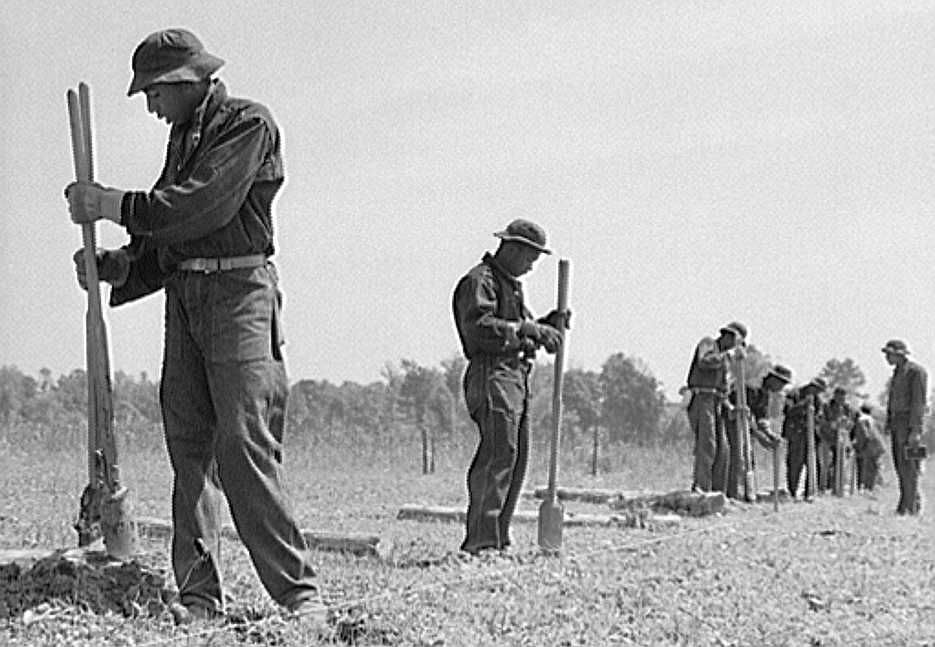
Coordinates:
[354,543]
[684,501]
[585,495]
[628,519]
[766,496]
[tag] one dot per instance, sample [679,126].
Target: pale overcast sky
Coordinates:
[696,161]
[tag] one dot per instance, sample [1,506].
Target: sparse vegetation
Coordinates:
[836,572]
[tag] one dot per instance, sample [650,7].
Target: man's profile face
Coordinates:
[890,357]
[172,102]
[526,258]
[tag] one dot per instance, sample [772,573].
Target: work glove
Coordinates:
[543,334]
[89,201]
[914,439]
[113,266]
[556,317]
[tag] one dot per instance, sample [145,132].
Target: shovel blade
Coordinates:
[551,522]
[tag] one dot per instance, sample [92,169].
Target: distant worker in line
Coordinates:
[795,430]
[707,380]
[500,338]
[869,448]
[204,236]
[904,411]
[836,424]
[758,397]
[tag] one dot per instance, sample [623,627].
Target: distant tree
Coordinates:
[426,399]
[583,396]
[843,373]
[633,400]
[16,389]
[756,364]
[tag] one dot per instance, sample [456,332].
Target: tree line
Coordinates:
[622,403]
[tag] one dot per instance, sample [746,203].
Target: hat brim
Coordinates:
[780,377]
[521,239]
[895,351]
[733,331]
[197,69]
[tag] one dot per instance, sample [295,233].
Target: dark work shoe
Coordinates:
[193,613]
[311,612]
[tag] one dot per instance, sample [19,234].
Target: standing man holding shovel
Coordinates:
[204,234]
[499,338]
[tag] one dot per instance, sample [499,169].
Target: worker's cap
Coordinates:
[780,372]
[840,390]
[896,346]
[866,407]
[526,232]
[818,383]
[735,328]
[171,56]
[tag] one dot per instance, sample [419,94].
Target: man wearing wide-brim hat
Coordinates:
[795,430]
[905,409]
[500,337]
[707,380]
[204,235]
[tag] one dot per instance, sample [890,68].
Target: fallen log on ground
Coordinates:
[586,495]
[766,496]
[682,501]
[627,519]
[695,504]
[354,543]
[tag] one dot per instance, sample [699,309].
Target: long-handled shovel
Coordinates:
[551,511]
[811,475]
[104,504]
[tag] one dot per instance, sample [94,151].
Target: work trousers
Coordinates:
[825,456]
[736,476]
[711,447]
[497,395]
[908,470]
[223,396]
[869,472]
[796,459]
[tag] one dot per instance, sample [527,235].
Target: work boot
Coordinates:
[188,614]
[312,614]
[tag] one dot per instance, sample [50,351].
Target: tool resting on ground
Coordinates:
[104,510]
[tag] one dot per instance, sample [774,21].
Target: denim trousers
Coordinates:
[497,396]
[223,394]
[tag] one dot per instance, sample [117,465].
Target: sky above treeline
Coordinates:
[697,162]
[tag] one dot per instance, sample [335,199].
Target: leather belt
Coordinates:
[706,390]
[208,265]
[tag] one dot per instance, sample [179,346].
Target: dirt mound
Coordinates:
[88,579]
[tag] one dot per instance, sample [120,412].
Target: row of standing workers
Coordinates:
[203,235]
[848,446]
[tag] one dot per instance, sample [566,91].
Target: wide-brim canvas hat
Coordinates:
[526,232]
[735,328]
[171,56]
[780,372]
[897,346]
[819,383]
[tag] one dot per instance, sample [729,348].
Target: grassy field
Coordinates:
[834,572]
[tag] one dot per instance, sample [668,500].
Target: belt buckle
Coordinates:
[209,265]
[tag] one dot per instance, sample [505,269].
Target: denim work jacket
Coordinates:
[214,196]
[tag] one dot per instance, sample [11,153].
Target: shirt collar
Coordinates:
[498,268]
